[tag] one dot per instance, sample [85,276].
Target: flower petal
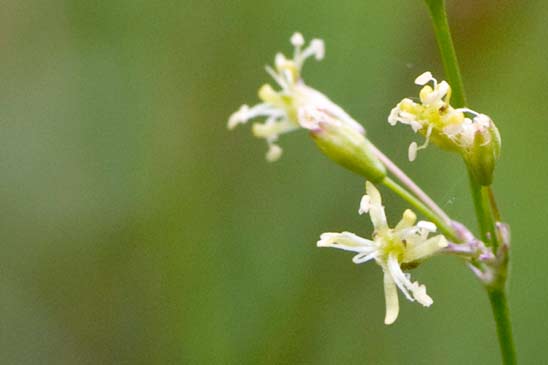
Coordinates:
[399,277]
[365,204]
[364,257]
[404,283]
[347,241]
[408,219]
[419,292]
[376,209]
[391,298]
[420,250]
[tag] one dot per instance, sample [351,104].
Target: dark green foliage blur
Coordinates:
[135,229]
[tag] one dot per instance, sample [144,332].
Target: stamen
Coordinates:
[274,152]
[279,80]
[412,151]
[413,148]
[425,78]
[316,49]
[238,117]
[297,39]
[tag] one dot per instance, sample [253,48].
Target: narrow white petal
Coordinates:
[346,241]
[407,221]
[424,78]
[391,299]
[373,193]
[420,250]
[376,209]
[404,283]
[364,257]
[399,277]
[378,218]
[364,204]
[419,292]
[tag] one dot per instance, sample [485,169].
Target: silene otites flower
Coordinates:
[283,109]
[457,129]
[393,249]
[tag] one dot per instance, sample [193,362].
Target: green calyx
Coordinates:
[350,149]
[481,157]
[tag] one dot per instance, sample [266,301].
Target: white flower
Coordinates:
[405,245]
[282,108]
[434,117]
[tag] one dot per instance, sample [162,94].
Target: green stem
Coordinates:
[423,209]
[499,305]
[447,51]
[411,186]
[483,197]
[493,203]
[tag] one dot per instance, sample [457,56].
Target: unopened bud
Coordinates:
[343,144]
[481,157]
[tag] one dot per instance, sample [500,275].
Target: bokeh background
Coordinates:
[135,229]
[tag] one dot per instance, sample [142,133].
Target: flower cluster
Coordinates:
[284,108]
[394,249]
[455,129]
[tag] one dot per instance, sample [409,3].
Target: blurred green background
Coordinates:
[135,229]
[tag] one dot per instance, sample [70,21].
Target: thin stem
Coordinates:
[484,201]
[483,213]
[494,206]
[499,306]
[410,184]
[423,209]
[447,51]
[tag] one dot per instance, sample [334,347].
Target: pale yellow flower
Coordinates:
[393,249]
[456,129]
[282,108]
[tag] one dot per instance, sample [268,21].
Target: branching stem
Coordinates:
[411,185]
[445,228]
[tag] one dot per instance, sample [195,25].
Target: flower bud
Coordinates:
[481,157]
[343,144]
